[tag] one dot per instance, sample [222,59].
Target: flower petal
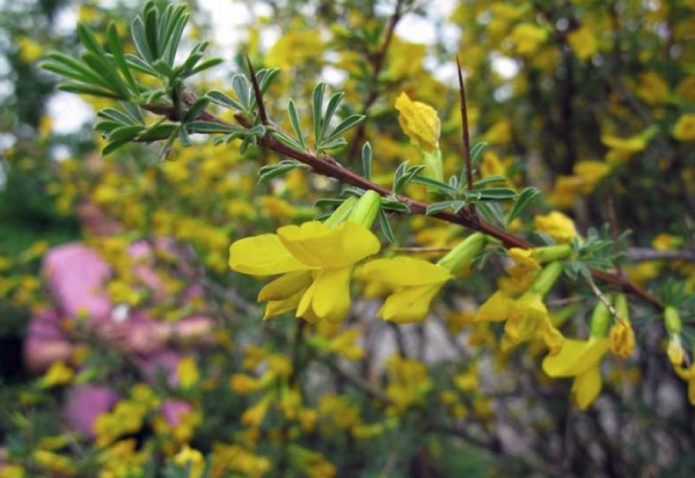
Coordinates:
[575,357]
[496,309]
[285,286]
[404,272]
[587,387]
[262,255]
[317,246]
[410,304]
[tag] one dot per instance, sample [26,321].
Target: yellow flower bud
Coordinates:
[420,122]
[622,339]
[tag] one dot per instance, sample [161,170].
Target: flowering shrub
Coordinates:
[442,253]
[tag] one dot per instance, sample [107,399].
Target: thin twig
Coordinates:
[257,92]
[465,133]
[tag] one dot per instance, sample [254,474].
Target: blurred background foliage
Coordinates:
[593,102]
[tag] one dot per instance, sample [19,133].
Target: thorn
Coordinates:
[257,92]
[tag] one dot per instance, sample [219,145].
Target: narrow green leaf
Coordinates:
[207,64]
[296,126]
[137,29]
[349,122]
[385,227]
[222,99]
[158,132]
[211,128]
[88,41]
[524,199]
[331,108]
[437,207]
[107,71]
[242,90]
[119,57]
[125,132]
[265,80]
[151,17]
[436,185]
[87,90]
[113,146]
[196,109]
[489,180]
[491,194]
[367,160]
[491,212]
[317,108]
[138,64]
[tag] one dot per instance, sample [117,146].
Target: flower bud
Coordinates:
[600,319]
[366,209]
[420,122]
[462,255]
[546,278]
[341,213]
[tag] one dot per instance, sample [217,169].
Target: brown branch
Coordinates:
[465,134]
[640,254]
[328,166]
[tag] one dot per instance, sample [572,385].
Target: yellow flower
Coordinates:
[57,374]
[294,48]
[408,383]
[414,281]
[12,471]
[29,50]
[58,464]
[556,225]
[622,339]
[193,459]
[529,318]
[527,38]
[420,122]
[244,384]
[344,345]
[316,262]
[524,260]
[580,359]
[565,190]
[684,130]
[591,173]
[187,371]
[674,350]
[583,42]
[253,416]
[653,88]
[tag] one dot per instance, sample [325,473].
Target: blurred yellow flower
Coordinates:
[684,130]
[528,38]
[556,225]
[57,374]
[583,42]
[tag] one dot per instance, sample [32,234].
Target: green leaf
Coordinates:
[158,132]
[265,78]
[151,33]
[138,64]
[88,40]
[393,205]
[349,122]
[476,151]
[490,194]
[223,100]
[242,90]
[137,29]
[489,180]
[296,126]
[208,127]
[113,146]
[436,185]
[317,108]
[116,115]
[333,143]
[437,207]
[119,57]
[288,140]
[207,64]
[367,160]
[125,132]
[491,212]
[107,71]
[331,108]
[87,90]
[272,171]
[73,69]
[385,226]
[196,109]
[526,196]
